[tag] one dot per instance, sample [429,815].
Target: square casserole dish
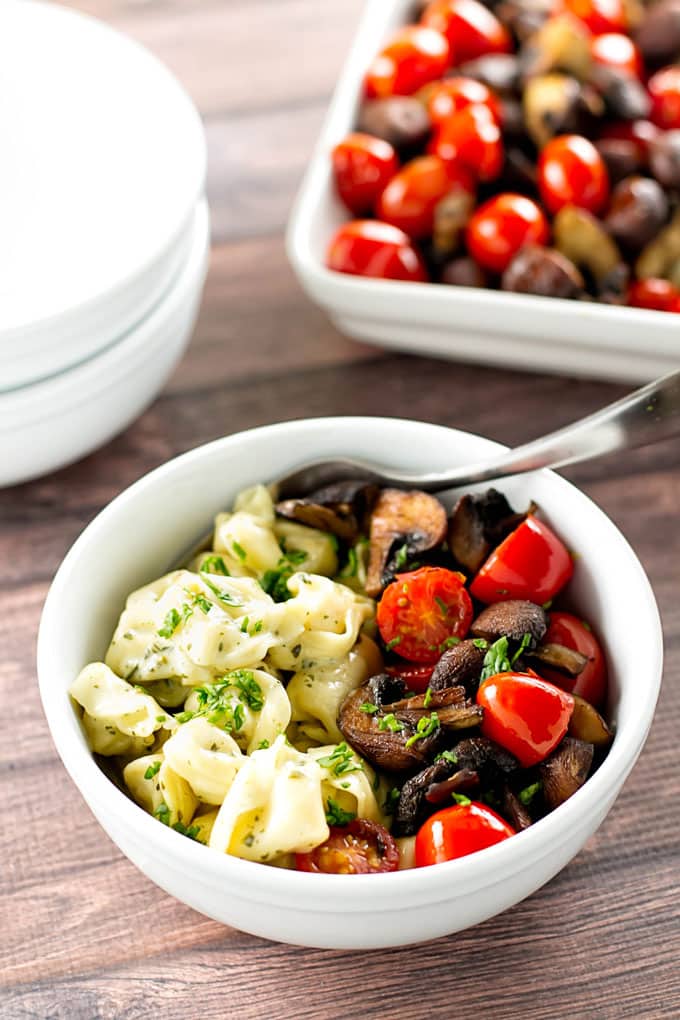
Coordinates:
[460,323]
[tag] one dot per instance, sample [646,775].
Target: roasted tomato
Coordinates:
[360,848]
[371,248]
[362,166]
[613,49]
[422,611]
[416,678]
[524,714]
[642,132]
[503,225]
[472,138]
[531,563]
[591,682]
[458,831]
[572,172]
[655,294]
[415,56]
[599,16]
[410,198]
[664,88]
[454,94]
[470,27]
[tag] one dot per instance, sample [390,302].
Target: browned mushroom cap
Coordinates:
[412,805]
[624,96]
[386,748]
[664,158]
[565,770]
[512,619]
[336,508]
[498,71]
[477,524]
[402,121]
[587,724]
[514,810]
[450,706]
[479,754]
[638,210]
[621,157]
[461,664]
[462,272]
[412,519]
[544,272]
[658,34]
[559,657]
[460,782]
[612,289]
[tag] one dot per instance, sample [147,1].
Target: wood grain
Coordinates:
[84,935]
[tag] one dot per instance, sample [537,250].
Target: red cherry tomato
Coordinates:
[362,166]
[655,294]
[503,225]
[454,94]
[599,16]
[410,198]
[572,172]
[642,132]
[524,714]
[471,29]
[415,56]
[591,683]
[664,88]
[416,678]
[472,138]
[613,49]
[371,248]
[458,831]
[421,609]
[360,848]
[531,563]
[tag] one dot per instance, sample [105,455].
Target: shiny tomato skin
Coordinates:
[664,88]
[454,94]
[618,51]
[654,294]
[591,683]
[470,28]
[360,848]
[421,609]
[471,138]
[415,56]
[572,172]
[642,132]
[524,714]
[410,198]
[416,678]
[458,831]
[362,166]
[600,16]
[531,563]
[503,225]
[371,248]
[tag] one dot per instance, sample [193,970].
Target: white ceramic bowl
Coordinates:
[134,540]
[462,323]
[54,422]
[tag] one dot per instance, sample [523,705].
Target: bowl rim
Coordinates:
[268,884]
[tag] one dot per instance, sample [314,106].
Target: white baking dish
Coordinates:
[462,323]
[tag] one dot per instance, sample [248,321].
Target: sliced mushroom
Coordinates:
[498,71]
[414,520]
[512,619]
[661,254]
[461,664]
[664,158]
[463,781]
[478,523]
[463,272]
[524,17]
[562,43]
[658,34]
[400,120]
[638,210]
[514,810]
[621,156]
[422,704]
[386,748]
[542,271]
[384,689]
[412,806]
[612,289]
[560,657]
[338,508]
[565,770]
[556,104]
[623,95]
[583,239]
[587,724]
[451,215]
[481,755]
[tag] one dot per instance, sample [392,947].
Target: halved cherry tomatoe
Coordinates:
[531,563]
[362,166]
[458,831]
[524,714]
[471,29]
[372,248]
[572,172]
[471,138]
[361,848]
[411,197]
[569,631]
[422,611]
[500,227]
[454,94]
[415,56]
[664,88]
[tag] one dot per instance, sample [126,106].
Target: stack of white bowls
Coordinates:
[104,233]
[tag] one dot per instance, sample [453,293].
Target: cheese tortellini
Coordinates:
[219,692]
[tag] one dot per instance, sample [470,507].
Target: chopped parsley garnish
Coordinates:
[335,815]
[249,689]
[391,800]
[340,761]
[217,704]
[256,627]
[352,566]
[162,813]
[401,557]
[369,708]
[223,596]
[295,556]
[152,770]
[529,792]
[449,756]
[170,624]
[263,745]
[239,550]
[275,583]
[161,718]
[244,625]
[391,723]
[449,642]
[461,799]
[201,601]
[183,717]
[442,605]
[481,643]
[214,565]
[393,643]
[427,725]
[547,605]
[428,698]
[498,658]
[191,832]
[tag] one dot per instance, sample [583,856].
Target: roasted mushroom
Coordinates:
[338,508]
[612,289]
[403,524]
[562,43]
[623,95]
[662,254]
[621,156]
[664,158]
[401,120]
[514,810]
[587,724]
[498,71]
[461,664]
[637,212]
[542,271]
[512,619]
[478,523]
[413,805]
[481,755]
[462,272]
[556,104]
[658,34]
[565,770]
[583,239]
[559,657]
[451,215]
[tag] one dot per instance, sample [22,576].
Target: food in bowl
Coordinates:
[543,159]
[353,682]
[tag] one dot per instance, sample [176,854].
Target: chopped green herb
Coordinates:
[214,565]
[547,605]
[335,815]
[351,568]
[244,625]
[223,596]
[204,604]
[525,643]
[191,832]
[340,761]
[529,792]
[449,756]
[427,725]
[369,708]
[263,745]
[393,643]
[586,625]
[183,717]
[401,557]
[391,800]
[275,583]
[249,689]
[449,642]
[152,770]
[496,659]
[295,556]
[256,627]
[239,550]
[461,799]
[162,813]
[170,624]
[442,605]
[161,718]
[428,698]
[391,723]
[480,642]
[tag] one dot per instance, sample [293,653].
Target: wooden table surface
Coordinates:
[84,934]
